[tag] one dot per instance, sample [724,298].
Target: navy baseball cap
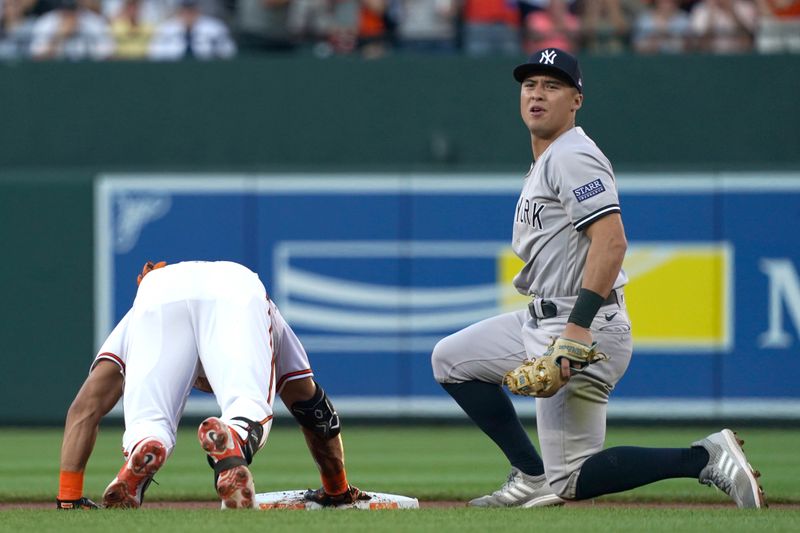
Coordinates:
[552,61]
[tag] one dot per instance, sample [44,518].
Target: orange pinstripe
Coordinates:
[272,351]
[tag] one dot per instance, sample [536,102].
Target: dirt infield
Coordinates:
[4,506]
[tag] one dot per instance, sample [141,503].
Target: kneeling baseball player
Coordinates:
[569,234]
[209,325]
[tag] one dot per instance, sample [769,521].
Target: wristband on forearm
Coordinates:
[586,307]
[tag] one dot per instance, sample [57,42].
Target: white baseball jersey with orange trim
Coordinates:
[195,318]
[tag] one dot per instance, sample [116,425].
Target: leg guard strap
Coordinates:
[255,435]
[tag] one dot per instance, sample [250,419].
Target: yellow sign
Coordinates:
[679,295]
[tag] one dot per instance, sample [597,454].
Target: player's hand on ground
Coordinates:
[348,497]
[81,503]
[147,268]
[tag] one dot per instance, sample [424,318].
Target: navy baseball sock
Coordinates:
[627,467]
[491,409]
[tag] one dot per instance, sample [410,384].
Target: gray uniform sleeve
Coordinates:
[586,188]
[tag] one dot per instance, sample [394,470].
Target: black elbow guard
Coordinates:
[318,415]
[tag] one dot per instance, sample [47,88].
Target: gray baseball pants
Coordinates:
[571,424]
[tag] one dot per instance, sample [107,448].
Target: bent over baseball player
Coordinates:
[210,324]
[573,343]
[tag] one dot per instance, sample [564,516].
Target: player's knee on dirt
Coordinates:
[564,487]
[566,495]
[317,415]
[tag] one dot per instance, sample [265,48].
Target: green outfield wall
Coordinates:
[62,124]
[682,112]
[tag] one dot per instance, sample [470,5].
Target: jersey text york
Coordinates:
[529,213]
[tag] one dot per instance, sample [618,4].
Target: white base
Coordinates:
[293,499]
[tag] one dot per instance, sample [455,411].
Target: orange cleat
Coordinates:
[127,489]
[233,480]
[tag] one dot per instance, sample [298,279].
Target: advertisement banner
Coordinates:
[372,270]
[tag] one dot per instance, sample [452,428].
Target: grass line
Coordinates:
[430,463]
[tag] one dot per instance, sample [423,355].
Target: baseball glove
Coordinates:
[147,268]
[542,376]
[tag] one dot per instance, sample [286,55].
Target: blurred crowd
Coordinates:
[164,30]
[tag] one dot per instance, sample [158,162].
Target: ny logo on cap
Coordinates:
[548,56]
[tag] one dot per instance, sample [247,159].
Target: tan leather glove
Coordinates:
[542,377]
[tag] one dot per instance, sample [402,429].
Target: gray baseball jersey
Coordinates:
[570,186]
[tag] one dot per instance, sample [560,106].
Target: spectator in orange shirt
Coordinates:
[491,27]
[373,34]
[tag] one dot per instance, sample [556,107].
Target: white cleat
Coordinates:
[729,471]
[520,490]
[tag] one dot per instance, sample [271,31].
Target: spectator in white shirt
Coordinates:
[661,28]
[190,34]
[724,26]
[151,12]
[71,32]
[264,24]
[778,26]
[428,25]
[16,25]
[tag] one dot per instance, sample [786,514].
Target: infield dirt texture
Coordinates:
[442,466]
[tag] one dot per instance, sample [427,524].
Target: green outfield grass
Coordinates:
[430,463]
[564,519]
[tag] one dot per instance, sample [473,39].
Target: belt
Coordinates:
[550,310]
